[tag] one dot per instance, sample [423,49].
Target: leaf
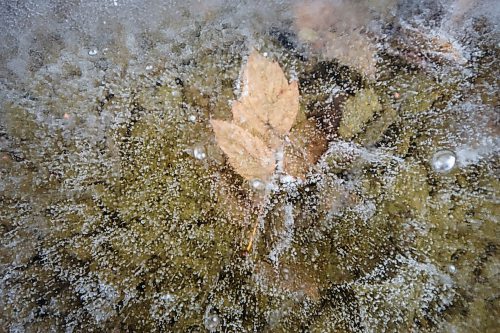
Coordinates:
[306,145]
[292,278]
[422,47]
[333,28]
[262,118]
[247,154]
[269,105]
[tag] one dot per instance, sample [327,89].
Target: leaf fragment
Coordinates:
[247,154]
[306,145]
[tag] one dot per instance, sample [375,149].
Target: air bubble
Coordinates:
[257,184]
[199,153]
[443,161]
[192,118]
[212,322]
[93,52]
[452,269]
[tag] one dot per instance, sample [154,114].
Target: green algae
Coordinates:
[357,111]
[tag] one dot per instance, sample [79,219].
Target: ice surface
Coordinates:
[118,211]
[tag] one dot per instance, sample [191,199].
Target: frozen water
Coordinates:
[286,237]
[119,211]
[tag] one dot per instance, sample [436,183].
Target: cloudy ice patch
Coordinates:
[473,154]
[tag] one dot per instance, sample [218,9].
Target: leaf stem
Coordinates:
[260,218]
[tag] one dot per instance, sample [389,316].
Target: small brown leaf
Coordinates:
[333,29]
[306,145]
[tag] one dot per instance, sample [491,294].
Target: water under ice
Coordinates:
[119,211]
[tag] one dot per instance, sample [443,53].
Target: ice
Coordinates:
[286,237]
[485,148]
[212,322]
[119,211]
